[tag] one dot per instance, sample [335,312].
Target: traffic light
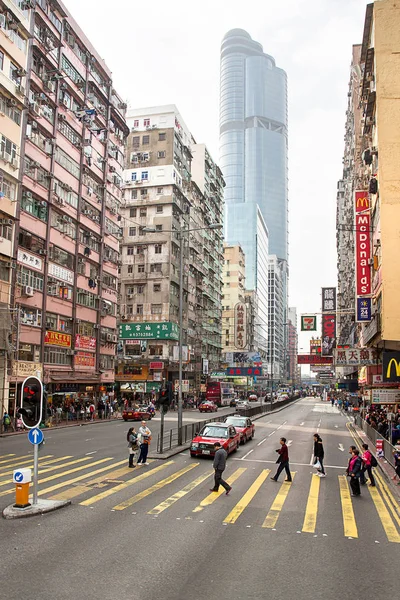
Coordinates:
[31,402]
[165,396]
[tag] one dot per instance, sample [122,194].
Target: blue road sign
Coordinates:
[35,436]
[18,476]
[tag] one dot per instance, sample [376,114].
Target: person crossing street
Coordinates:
[144,439]
[219,467]
[354,471]
[283,460]
[319,455]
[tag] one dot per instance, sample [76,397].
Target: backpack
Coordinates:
[7,420]
[374,462]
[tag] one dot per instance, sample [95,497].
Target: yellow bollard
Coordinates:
[22,479]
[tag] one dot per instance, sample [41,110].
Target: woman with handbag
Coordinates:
[354,471]
[319,455]
[131,438]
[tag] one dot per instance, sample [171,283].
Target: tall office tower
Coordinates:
[291,358]
[253,158]
[66,251]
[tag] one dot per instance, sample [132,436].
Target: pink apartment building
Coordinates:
[67,229]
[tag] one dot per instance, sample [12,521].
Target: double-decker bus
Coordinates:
[220,392]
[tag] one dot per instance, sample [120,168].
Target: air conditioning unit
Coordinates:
[70,352]
[110,337]
[115,339]
[62,117]
[28,194]
[27,290]
[130,296]
[42,252]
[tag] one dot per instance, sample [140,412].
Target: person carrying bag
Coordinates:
[132,440]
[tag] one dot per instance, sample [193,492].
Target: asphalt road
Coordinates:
[157,532]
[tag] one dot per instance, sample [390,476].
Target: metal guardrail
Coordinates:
[170,438]
[373,435]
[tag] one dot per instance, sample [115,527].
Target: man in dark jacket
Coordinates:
[219,467]
[283,461]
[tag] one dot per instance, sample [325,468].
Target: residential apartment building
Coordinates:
[67,236]
[276,319]
[234,292]
[173,193]
[15,26]
[292,336]
[374,141]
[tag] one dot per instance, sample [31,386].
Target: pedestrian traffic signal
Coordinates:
[31,409]
[165,396]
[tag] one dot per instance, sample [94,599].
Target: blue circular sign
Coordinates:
[35,436]
[18,476]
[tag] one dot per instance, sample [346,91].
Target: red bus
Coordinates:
[220,392]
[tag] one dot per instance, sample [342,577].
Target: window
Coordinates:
[69,132]
[146,139]
[156,268]
[132,231]
[86,298]
[159,227]
[4,271]
[140,289]
[85,328]
[144,191]
[145,175]
[1,61]
[141,232]
[143,212]
[139,309]
[51,321]
[61,257]
[130,250]
[9,150]
[30,278]
[136,138]
[133,176]
[156,309]
[58,289]
[130,269]
[161,154]
[30,242]
[155,350]
[146,122]
[29,352]
[132,212]
[157,287]
[162,137]
[11,111]
[140,269]
[68,163]
[31,316]
[157,249]
[14,73]
[56,356]
[136,124]
[71,71]
[160,191]
[6,229]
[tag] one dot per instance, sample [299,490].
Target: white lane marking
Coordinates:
[262,441]
[272,462]
[281,425]
[290,442]
[341,448]
[89,439]
[272,433]
[336,426]
[249,452]
[312,459]
[301,424]
[88,453]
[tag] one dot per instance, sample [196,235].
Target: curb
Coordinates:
[42,507]
[56,427]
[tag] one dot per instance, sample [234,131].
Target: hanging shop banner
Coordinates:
[29,260]
[364,309]
[246,357]
[85,342]
[356,357]
[54,338]
[244,371]
[328,299]
[328,334]
[240,325]
[391,367]
[149,331]
[313,359]
[362,243]
[315,346]
[85,359]
[309,323]
[382,396]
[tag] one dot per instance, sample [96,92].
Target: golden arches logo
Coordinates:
[362,202]
[396,366]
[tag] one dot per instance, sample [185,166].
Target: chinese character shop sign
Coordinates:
[329,299]
[149,331]
[362,243]
[244,371]
[54,338]
[240,325]
[355,356]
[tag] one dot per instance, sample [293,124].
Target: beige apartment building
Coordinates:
[234,292]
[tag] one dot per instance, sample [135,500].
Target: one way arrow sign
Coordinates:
[35,436]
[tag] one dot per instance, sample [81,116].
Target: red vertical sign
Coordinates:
[363,243]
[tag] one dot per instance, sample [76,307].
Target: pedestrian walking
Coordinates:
[354,471]
[319,455]
[132,439]
[144,439]
[396,456]
[6,421]
[219,465]
[283,461]
[367,459]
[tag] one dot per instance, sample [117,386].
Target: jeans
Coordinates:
[144,448]
[367,468]
[219,481]
[355,485]
[283,465]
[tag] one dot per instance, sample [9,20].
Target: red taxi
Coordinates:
[136,414]
[203,443]
[243,425]
[208,406]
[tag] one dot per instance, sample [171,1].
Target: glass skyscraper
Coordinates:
[253,157]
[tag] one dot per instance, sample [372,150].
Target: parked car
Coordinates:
[136,414]
[208,406]
[243,425]
[203,442]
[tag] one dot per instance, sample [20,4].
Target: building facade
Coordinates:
[233,292]
[66,249]
[292,368]
[276,320]
[173,193]
[253,156]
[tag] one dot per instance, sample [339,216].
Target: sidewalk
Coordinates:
[63,425]
[384,467]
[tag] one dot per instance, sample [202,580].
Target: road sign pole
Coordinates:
[162,429]
[35,472]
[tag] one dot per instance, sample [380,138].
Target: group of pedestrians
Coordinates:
[138,441]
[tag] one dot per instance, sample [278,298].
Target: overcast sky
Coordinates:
[167,52]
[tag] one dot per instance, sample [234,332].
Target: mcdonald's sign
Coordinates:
[391,367]
[361,201]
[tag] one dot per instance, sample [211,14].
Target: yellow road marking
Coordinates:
[384,515]
[172,499]
[214,495]
[247,497]
[154,488]
[310,518]
[388,496]
[123,486]
[42,464]
[349,522]
[81,489]
[68,472]
[5,455]
[277,505]
[16,458]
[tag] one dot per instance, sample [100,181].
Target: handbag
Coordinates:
[317,464]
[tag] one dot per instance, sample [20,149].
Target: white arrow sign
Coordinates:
[341,448]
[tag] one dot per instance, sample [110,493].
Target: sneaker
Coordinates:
[146,463]
[321,475]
